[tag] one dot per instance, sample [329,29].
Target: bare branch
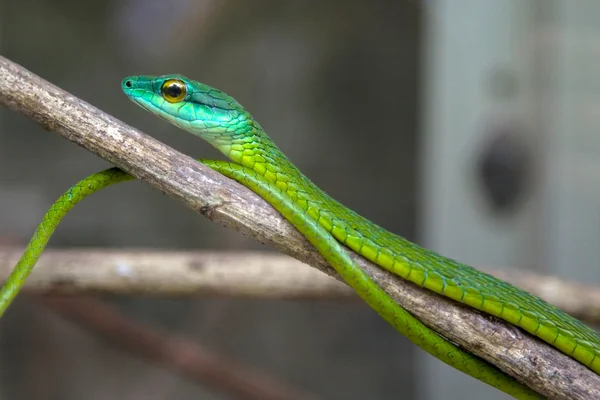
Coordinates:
[543,368]
[176,273]
[241,274]
[181,354]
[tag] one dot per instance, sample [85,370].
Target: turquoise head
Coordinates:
[194,107]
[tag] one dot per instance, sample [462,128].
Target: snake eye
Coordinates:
[173,90]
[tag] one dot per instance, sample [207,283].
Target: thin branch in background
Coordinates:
[181,354]
[251,274]
[148,272]
[228,203]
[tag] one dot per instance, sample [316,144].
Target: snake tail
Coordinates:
[50,221]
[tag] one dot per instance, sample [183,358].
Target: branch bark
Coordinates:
[543,368]
[176,273]
[180,354]
[254,274]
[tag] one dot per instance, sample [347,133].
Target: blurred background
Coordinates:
[468,126]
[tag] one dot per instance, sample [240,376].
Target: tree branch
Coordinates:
[181,354]
[254,274]
[176,273]
[543,368]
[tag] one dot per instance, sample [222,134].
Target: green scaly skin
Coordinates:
[261,166]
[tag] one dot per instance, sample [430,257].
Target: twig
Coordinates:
[176,273]
[255,274]
[232,205]
[182,354]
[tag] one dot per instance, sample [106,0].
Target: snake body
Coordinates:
[259,164]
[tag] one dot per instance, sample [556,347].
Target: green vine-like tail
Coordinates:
[257,163]
[46,228]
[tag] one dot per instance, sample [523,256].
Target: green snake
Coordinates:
[257,163]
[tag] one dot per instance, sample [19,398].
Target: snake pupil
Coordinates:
[173,90]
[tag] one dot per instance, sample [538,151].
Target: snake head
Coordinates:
[194,107]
